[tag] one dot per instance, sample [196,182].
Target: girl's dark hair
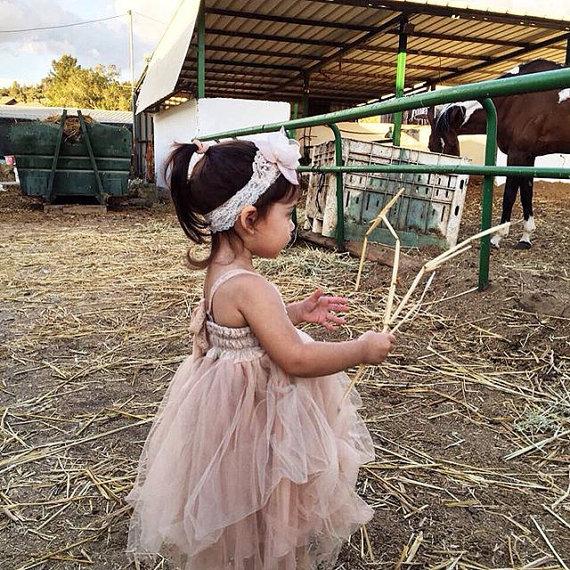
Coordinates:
[224,169]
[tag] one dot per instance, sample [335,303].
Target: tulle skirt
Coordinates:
[248,468]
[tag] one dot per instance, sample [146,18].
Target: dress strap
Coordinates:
[221,280]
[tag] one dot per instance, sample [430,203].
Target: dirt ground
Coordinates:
[470,416]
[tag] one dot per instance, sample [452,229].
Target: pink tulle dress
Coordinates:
[246,467]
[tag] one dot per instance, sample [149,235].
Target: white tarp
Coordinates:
[168,57]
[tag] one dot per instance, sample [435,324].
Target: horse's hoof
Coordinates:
[523,245]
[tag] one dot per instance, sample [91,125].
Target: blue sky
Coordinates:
[26,56]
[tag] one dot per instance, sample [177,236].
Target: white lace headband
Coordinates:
[276,155]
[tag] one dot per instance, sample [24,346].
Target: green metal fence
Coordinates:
[482,92]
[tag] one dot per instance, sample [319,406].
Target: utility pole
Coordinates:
[131,59]
[133,105]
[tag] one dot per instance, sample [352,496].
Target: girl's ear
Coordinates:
[247,218]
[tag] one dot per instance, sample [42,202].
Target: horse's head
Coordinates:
[445,121]
[435,143]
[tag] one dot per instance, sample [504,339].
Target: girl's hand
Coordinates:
[320,309]
[376,346]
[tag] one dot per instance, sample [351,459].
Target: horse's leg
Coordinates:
[509,197]
[526,201]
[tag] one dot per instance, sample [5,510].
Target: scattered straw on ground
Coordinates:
[470,417]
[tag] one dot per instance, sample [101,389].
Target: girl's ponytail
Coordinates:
[186,207]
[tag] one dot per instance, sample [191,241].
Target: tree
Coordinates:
[69,84]
[23,93]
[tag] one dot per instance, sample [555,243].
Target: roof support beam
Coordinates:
[390,65]
[426,52]
[318,58]
[316,86]
[449,11]
[371,49]
[262,53]
[255,64]
[319,76]
[354,44]
[510,55]
[329,43]
[186,76]
[326,74]
[289,20]
[273,38]
[461,39]
[240,73]
[327,95]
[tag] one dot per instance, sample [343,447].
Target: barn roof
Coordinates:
[23,112]
[264,49]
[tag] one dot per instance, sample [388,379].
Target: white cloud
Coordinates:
[102,42]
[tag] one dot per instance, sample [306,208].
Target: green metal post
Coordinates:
[339,188]
[292,134]
[294,114]
[87,140]
[487,197]
[56,156]
[201,63]
[306,90]
[400,77]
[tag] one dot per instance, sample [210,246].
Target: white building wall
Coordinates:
[194,118]
[175,125]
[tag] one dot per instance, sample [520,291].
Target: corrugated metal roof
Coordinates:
[525,8]
[23,112]
[264,48]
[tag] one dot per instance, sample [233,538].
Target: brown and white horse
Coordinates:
[529,125]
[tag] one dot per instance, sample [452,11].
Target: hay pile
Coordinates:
[72,127]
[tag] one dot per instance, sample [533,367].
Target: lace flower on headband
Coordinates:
[276,155]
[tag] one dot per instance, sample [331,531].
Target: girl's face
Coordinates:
[275,229]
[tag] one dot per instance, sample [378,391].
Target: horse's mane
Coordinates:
[441,122]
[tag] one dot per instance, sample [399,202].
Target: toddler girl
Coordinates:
[252,460]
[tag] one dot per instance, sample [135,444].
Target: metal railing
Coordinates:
[482,92]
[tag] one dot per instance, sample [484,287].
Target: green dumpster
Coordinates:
[53,165]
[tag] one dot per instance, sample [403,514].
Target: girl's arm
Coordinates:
[294,312]
[263,310]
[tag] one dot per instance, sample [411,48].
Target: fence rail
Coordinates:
[483,92]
